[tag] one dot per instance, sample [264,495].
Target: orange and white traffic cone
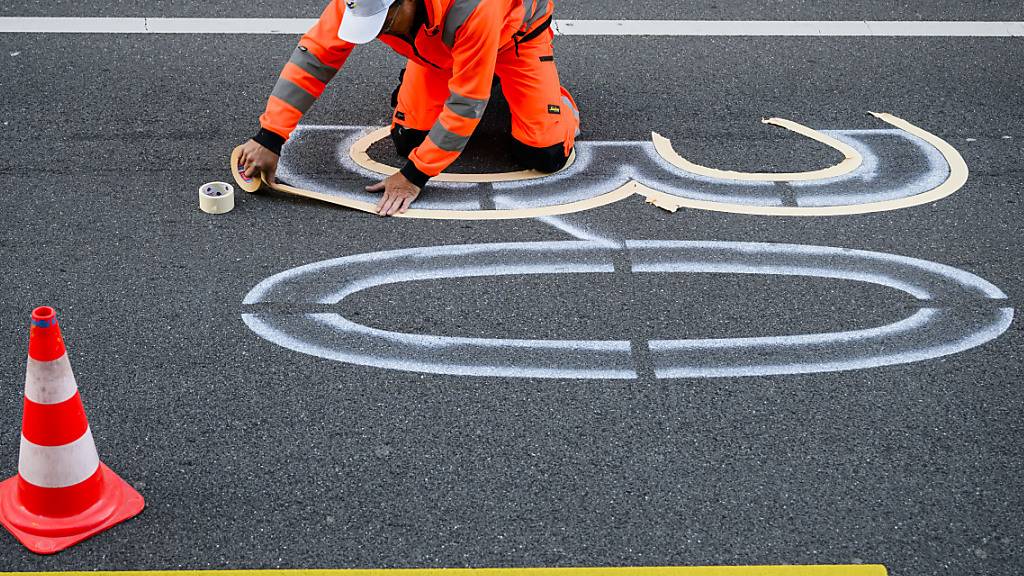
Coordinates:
[62,493]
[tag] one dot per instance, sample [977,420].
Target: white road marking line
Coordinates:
[943,28]
[229,25]
[784,28]
[80,25]
[833,28]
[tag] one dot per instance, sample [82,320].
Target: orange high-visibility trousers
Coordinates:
[543,112]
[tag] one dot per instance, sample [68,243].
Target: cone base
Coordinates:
[46,535]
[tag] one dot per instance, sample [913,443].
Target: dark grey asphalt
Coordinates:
[254,456]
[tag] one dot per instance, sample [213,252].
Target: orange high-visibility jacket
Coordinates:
[462,37]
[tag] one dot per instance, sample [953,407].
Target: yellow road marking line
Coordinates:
[825,570]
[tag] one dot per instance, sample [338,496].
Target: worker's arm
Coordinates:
[474,54]
[317,58]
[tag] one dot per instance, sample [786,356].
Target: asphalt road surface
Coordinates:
[252,455]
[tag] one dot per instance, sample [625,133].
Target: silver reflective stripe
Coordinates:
[293,94]
[470,108]
[528,10]
[567,102]
[531,18]
[308,61]
[447,140]
[457,16]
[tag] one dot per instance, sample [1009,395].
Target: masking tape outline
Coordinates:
[343,153]
[932,171]
[359,152]
[958,175]
[512,214]
[851,161]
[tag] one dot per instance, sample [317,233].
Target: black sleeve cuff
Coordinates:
[414,175]
[269,140]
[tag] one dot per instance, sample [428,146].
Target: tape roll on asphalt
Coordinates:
[216,197]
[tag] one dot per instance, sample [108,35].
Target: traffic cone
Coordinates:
[62,493]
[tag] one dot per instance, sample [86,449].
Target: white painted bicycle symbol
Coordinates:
[957,310]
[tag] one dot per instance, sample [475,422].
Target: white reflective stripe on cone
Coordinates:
[50,382]
[58,466]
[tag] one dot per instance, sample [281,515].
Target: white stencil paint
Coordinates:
[604,166]
[946,327]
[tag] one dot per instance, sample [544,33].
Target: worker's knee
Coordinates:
[547,160]
[407,139]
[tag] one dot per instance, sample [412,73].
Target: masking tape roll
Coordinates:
[216,197]
[238,171]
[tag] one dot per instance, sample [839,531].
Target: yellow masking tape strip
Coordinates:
[957,178]
[851,162]
[360,155]
[836,570]
[556,210]
[958,174]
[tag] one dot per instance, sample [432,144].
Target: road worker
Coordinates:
[455,48]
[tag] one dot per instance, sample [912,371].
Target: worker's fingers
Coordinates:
[405,204]
[378,187]
[392,206]
[384,204]
[396,203]
[251,169]
[243,159]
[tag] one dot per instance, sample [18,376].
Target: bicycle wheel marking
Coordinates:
[948,322]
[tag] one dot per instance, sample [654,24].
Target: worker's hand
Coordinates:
[256,159]
[398,194]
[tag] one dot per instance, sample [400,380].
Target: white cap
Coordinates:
[363,20]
